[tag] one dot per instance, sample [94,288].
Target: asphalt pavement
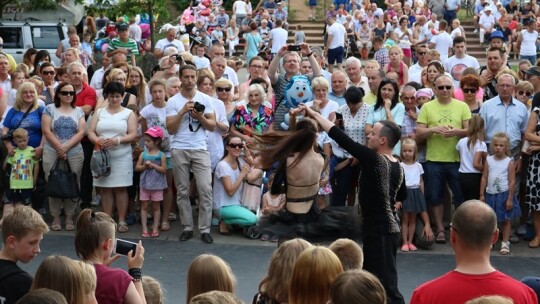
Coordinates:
[167,259]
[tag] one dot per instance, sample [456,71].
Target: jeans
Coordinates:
[532,58]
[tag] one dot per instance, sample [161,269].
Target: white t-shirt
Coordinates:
[443,42]
[220,196]
[466,155]
[240,8]
[278,36]
[405,42]
[330,107]
[156,117]
[413,173]
[201,62]
[184,139]
[214,138]
[338,35]
[528,43]
[487,21]
[455,66]
[164,43]
[97,79]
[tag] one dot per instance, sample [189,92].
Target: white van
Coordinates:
[19,36]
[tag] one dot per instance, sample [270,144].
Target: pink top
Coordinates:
[458,94]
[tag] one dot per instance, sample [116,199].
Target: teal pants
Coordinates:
[238,215]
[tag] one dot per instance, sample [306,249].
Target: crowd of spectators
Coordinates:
[186,133]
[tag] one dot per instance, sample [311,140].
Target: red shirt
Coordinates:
[458,288]
[86,97]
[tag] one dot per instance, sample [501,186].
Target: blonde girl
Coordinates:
[415,202]
[397,65]
[497,186]
[138,83]
[209,272]
[472,156]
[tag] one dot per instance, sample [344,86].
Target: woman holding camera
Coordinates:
[114,128]
[252,118]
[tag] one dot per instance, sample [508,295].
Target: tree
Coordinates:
[34,4]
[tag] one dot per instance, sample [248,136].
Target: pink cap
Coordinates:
[424,93]
[155,132]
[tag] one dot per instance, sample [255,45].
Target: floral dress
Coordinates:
[249,123]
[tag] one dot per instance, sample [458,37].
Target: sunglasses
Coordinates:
[470,91]
[444,88]
[236,146]
[527,93]
[223,89]
[66,93]
[422,53]
[47,72]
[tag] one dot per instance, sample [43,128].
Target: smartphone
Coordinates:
[339,116]
[179,59]
[123,247]
[339,121]
[293,48]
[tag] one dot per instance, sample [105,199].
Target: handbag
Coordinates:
[100,163]
[62,183]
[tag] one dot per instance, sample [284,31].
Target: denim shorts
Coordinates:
[439,174]
[16,196]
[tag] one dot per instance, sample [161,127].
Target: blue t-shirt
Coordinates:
[31,123]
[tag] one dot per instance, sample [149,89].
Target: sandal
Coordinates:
[154,234]
[122,227]
[505,248]
[535,243]
[441,237]
[70,226]
[56,227]
[165,226]
[145,235]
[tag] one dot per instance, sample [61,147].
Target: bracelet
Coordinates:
[135,273]
[136,280]
[118,141]
[309,55]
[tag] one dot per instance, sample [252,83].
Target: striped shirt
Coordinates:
[131,45]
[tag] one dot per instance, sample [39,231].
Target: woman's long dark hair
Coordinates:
[395,99]
[278,146]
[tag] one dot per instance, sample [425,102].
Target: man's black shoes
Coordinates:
[186,235]
[207,238]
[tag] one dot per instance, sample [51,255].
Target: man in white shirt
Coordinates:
[442,42]
[168,41]
[486,23]
[415,70]
[187,124]
[335,42]
[451,8]
[97,78]
[460,61]
[278,37]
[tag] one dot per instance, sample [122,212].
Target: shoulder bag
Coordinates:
[62,183]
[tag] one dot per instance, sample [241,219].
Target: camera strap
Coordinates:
[20,121]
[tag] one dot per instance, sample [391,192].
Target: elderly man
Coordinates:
[86,100]
[472,233]
[504,113]
[442,122]
[353,66]
[218,67]
[374,77]
[339,85]
[5,78]
[169,41]
[460,61]
[408,97]
[486,23]
[495,63]
[291,65]
[229,73]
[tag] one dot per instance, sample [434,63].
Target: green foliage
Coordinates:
[130,7]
